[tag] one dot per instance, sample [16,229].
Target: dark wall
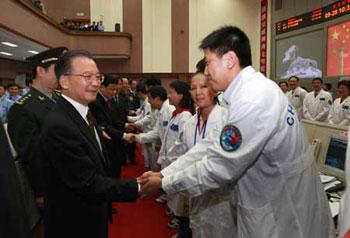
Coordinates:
[66,8]
[9,69]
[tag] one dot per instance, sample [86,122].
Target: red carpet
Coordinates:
[143,218]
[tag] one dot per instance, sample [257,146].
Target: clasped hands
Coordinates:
[129,128]
[151,183]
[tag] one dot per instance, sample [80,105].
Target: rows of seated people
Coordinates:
[80,26]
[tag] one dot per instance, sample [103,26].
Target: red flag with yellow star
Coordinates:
[338,49]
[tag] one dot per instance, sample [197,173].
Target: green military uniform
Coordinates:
[25,120]
[56,94]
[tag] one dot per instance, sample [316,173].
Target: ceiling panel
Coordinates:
[24,45]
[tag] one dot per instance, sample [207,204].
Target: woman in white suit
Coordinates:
[179,96]
[340,110]
[211,214]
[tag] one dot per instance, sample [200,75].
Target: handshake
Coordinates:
[130,137]
[151,184]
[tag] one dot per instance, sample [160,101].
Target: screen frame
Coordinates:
[327,169]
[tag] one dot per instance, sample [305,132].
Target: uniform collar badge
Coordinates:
[41,98]
[230,138]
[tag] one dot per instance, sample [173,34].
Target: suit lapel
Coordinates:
[82,126]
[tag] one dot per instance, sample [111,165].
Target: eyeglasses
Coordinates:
[89,77]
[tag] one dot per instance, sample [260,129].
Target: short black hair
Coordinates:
[200,66]
[141,87]
[110,79]
[281,82]
[345,83]
[64,64]
[328,85]
[296,77]
[183,88]
[130,80]
[153,81]
[158,91]
[229,38]
[317,79]
[11,85]
[28,81]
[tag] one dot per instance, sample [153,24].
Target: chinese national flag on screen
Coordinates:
[338,49]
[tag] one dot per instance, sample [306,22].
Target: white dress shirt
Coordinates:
[83,111]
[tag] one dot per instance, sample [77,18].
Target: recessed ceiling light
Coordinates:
[33,51]
[9,44]
[5,53]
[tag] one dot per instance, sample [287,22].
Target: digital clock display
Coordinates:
[329,12]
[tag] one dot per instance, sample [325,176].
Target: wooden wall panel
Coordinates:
[180,35]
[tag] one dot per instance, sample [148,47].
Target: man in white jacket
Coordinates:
[145,121]
[262,147]
[296,95]
[317,103]
[159,101]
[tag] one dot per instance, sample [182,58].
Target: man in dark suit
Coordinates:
[79,189]
[120,110]
[134,101]
[102,111]
[13,222]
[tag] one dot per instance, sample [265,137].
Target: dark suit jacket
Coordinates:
[103,117]
[133,101]
[79,188]
[120,110]
[115,146]
[13,221]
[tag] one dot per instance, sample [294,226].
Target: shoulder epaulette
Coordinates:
[23,99]
[41,98]
[58,92]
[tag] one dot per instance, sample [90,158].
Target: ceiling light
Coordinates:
[5,53]
[33,52]
[9,44]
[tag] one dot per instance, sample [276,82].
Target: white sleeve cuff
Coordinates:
[166,185]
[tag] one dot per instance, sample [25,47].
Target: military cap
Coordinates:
[47,57]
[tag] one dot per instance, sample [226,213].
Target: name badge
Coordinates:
[174,127]
[165,123]
[345,107]
[297,96]
[322,99]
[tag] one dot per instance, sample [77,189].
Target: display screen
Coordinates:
[329,12]
[299,56]
[336,154]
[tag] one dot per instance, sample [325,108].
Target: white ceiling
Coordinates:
[24,45]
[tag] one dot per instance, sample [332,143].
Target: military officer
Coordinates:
[27,116]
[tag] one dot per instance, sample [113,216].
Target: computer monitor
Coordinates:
[334,159]
[329,143]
